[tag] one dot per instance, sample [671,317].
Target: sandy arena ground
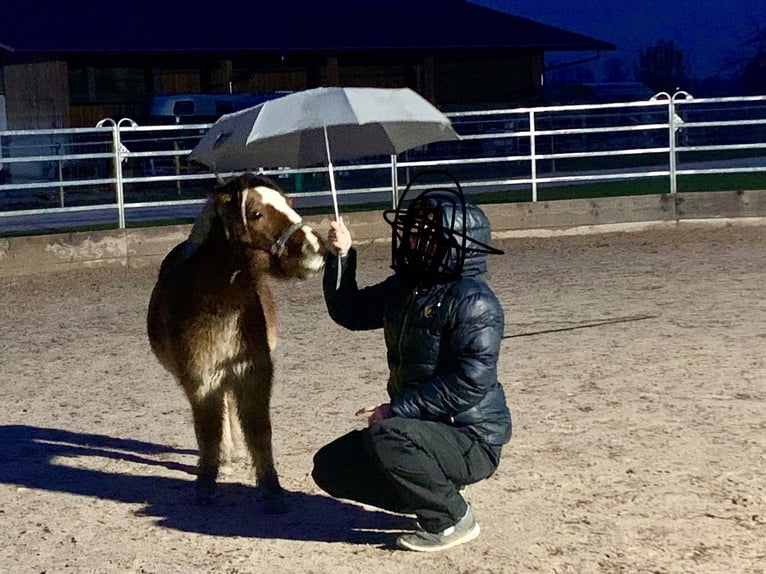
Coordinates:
[634,366]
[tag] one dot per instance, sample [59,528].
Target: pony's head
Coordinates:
[258,218]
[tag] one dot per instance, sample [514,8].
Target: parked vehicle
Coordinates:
[202,108]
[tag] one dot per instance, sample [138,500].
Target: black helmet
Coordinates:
[437,232]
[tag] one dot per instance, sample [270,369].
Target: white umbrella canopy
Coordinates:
[223,147]
[316,126]
[321,125]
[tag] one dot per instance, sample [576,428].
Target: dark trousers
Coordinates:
[407,466]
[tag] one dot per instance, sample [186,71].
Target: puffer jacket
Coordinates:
[442,340]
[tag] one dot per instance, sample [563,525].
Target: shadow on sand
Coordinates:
[30,457]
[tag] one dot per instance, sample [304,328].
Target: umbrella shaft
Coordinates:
[331,172]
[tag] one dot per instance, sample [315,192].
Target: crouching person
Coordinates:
[446,418]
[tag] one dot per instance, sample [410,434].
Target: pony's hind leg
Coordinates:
[232,440]
[253,402]
[208,427]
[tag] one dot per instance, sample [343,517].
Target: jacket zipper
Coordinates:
[410,299]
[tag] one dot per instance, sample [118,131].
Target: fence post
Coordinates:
[118,176]
[672,145]
[533,153]
[60,172]
[394,182]
[671,139]
[675,121]
[117,168]
[119,157]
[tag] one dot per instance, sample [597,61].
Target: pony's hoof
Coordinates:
[274,501]
[205,491]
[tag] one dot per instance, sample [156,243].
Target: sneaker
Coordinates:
[421,540]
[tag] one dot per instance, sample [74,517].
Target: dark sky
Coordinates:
[710,32]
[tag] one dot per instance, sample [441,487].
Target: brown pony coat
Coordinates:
[211,320]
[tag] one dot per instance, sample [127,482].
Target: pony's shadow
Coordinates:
[35,457]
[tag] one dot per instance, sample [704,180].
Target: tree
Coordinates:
[661,67]
[753,75]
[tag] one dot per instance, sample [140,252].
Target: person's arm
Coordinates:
[348,305]
[474,341]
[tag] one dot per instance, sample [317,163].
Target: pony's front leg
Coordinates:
[207,411]
[253,400]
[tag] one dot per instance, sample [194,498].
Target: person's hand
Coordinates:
[377,413]
[339,237]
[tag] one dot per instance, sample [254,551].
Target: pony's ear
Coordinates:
[203,224]
[230,186]
[221,195]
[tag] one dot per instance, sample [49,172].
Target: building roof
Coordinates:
[280,26]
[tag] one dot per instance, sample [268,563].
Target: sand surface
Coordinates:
[634,365]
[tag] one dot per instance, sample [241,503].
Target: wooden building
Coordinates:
[71,63]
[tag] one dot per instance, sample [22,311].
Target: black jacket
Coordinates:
[442,342]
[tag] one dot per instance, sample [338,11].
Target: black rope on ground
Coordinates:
[585,325]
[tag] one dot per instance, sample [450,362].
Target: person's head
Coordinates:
[438,236]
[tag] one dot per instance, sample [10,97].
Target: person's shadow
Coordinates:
[32,457]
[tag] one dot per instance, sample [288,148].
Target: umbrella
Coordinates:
[316,126]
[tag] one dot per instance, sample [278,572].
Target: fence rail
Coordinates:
[121,174]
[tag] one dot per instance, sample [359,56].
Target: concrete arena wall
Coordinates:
[147,246]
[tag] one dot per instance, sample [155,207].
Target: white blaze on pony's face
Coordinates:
[279,202]
[301,244]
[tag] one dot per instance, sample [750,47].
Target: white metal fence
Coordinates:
[120,174]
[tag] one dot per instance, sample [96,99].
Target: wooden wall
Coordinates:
[37,95]
[38,92]
[488,80]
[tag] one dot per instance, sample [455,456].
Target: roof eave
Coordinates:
[598,47]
